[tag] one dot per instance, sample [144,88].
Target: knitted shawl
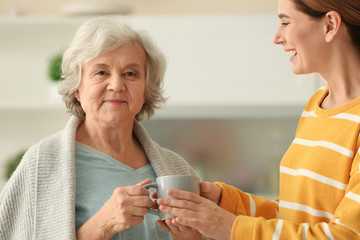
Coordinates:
[38,202]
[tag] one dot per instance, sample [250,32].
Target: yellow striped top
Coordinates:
[319,181]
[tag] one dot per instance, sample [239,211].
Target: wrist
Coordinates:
[220,196]
[94,230]
[219,189]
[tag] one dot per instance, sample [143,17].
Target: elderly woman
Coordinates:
[86,181]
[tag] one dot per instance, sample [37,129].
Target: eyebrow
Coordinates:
[281,15]
[96,66]
[102,65]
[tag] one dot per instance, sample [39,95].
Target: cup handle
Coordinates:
[151,185]
[152,211]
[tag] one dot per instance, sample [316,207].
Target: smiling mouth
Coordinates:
[115,101]
[291,53]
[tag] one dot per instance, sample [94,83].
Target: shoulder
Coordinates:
[63,137]
[169,154]
[317,98]
[173,162]
[163,160]
[50,144]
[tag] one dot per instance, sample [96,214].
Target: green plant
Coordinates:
[54,67]
[13,162]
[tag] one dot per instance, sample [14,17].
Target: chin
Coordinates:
[113,120]
[300,71]
[297,72]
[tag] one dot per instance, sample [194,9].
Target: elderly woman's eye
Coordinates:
[101,73]
[129,74]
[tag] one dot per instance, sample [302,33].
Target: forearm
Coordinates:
[93,229]
[231,199]
[241,203]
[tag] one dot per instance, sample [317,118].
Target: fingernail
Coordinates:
[162,207]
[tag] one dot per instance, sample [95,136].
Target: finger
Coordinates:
[180,227]
[210,191]
[141,201]
[173,228]
[138,211]
[136,190]
[180,214]
[178,203]
[184,195]
[142,183]
[154,194]
[163,225]
[155,205]
[205,187]
[137,220]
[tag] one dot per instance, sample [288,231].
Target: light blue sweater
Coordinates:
[97,175]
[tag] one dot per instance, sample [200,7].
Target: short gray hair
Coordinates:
[102,34]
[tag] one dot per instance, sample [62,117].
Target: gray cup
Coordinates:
[163,184]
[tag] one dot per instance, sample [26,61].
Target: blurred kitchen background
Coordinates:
[233,101]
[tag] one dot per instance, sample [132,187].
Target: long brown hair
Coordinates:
[349,11]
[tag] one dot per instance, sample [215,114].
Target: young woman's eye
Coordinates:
[284,24]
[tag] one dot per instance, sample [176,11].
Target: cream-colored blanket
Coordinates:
[38,202]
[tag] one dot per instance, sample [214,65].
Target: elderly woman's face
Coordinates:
[112,87]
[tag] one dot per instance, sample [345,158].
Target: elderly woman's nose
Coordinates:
[117,83]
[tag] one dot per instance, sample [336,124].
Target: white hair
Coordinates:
[102,34]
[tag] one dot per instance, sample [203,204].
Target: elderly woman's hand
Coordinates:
[179,231]
[197,212]
[125,209]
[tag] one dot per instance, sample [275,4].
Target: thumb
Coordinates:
[146,181]
[210,191]
[205,188]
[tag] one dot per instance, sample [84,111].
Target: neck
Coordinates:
[343,76]
[113,140]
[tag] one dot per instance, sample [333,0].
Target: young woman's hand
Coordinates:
[199,213]
[210,191]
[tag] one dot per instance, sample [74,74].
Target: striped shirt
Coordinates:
[319,181]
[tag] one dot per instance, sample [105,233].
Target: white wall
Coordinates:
[214,62]
[143,7]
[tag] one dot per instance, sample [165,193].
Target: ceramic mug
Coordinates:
[164,183]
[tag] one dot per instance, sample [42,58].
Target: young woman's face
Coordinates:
[302,37]
[112,88]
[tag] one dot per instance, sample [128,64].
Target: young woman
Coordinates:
[320,172]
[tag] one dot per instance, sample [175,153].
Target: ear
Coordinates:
[332,25]
[77,95]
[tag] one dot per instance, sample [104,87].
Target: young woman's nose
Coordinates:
[279,37]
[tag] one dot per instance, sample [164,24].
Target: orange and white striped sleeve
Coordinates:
[241,203]
[257,216]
